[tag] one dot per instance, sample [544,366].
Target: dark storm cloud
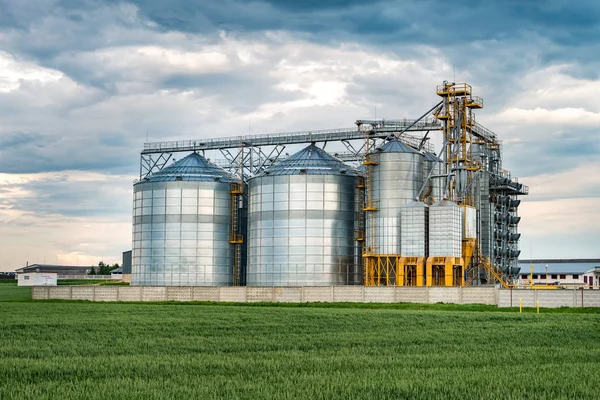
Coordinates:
[34,152]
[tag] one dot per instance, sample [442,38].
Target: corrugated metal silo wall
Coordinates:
[301,231]
[181,234]
[397,180]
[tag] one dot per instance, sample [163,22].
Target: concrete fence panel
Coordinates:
[154,293]
[380,294]
[288,294]
[59,292]
[479,295]
[445,295]
[205,293]
[82,292]
[349,294]
[106,293]
[179,293]
[592,299]
[318,293]
[130,293]
[411,294]
[259,294]
[232,294]
[506,297]
[39,292]
[555,298]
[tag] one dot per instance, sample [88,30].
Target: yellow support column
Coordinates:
[421,271]
[429,272]
[448,271]
[400,271]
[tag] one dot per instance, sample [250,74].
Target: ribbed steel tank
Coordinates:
[181,226]
[396,180]
[414,229]
[432,165]
[445,229]
[301,223]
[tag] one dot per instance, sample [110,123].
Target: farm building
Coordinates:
[37,279]
[564,272]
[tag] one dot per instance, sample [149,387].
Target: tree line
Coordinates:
[103,269]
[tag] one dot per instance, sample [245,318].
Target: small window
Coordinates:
[562,276]
[535,276]
[543,276]
[524,276]
[575,276]
[585,279]
[26,277]
[554,276]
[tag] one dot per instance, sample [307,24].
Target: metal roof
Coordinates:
[53,268]
[577,267]
[193,167]
[396,146]
[431,157]
[311,160]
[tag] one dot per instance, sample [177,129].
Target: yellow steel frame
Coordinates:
[458,99]
[383,269]
[412,272]
[445,271]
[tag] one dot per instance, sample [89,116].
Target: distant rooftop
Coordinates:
[560,261]
[55,268]
[559,266]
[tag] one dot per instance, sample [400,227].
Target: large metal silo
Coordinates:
[181,226]
[301,223]
[395,180]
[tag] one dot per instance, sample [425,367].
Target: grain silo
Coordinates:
[445,265]
[301,223]
[182,224]
[394,178]
[414,240]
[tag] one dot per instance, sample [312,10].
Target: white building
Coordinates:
[592,277]
[37,279]
[576,272]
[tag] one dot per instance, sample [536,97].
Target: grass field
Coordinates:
[9,291]
[153,351]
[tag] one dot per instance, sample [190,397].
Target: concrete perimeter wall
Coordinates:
[549,298]
[357,294]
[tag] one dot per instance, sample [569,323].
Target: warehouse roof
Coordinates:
[74,269]
[565,266]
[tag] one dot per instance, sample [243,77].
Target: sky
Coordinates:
[84,83]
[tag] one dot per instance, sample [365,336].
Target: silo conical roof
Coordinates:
[310,161]
[396,146]
[193,167]
[431,157]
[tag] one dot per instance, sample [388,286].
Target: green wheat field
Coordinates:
[79,350]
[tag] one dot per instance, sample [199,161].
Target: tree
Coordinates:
[92,271]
